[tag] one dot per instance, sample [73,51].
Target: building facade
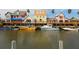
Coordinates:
[16,17]
[40,16]
[60,18]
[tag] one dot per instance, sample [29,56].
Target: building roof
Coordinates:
[29,18]
[8,13]
[40,12]
[61,14]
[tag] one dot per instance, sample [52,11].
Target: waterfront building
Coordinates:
[58,19]
[19,14]
[8,16]
[23,13]
[28,20]
[16,17]
[40,16]
[61,18]
[49,20]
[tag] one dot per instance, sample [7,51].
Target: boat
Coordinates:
[9,28]
[25,28]
[49,27]
[70,29]
[4,28]
[37,29]
[15,28]
[78,29]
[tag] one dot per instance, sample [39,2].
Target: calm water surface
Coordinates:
[40,39]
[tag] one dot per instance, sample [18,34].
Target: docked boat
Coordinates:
[25,28]
[4,28]
[70,29]
[49,27]
[15,28]
[9,28]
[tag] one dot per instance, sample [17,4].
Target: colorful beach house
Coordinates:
[40,16]
[16,17]
[60,18]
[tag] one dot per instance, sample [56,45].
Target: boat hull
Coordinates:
[47,27]
[52,29]
[27,29]
[70,29]
[4,28]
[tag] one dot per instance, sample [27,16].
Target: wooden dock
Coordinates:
[76,24]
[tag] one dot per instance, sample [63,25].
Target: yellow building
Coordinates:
[40,16]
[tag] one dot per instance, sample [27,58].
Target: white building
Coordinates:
[61,18]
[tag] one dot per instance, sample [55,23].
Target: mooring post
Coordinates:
[13,44]
[60,44]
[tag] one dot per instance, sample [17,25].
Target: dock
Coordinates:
[61,24]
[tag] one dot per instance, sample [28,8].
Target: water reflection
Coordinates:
[60,44]
[39,39]
[5,39]
[13,44]
[70,40]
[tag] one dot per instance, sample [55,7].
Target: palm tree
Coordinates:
[78,12]
[73,18]
[69,11]
[53,11]
[28,10]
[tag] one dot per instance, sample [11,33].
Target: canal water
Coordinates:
[39,40]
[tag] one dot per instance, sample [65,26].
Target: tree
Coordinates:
[73,18]
[78,12]
[28,10]
[16,12]
[53,11]
[69,11]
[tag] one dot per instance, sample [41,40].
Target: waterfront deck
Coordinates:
[61,24]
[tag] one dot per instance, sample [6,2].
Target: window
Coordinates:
[43,16]
[37,16]
[61,21]
[40,20]
[61,17]
[66,20]
[28,20]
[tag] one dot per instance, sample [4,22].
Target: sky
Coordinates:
[64,11]
[48,11]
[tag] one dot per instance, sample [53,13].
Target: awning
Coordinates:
[16,18]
